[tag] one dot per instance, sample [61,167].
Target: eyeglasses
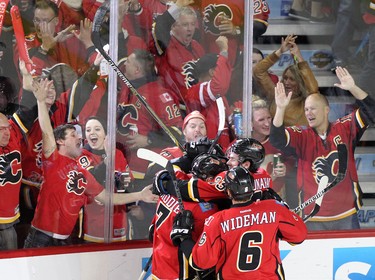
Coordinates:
[39,21]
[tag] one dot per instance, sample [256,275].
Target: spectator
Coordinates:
[208,78]
[8,96]
[348,21]
[284,174]
[11,134]
[236,83]
[365,80]
[66,186]
[94,152]
[49,45]
[316,151]
[62,110]
[173,39]
[229,236]
[193,128]
[70,12]
[313,11]
[226,18]
[137,128]
[297,78]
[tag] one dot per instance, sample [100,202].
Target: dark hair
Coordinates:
[7,88]
[60,131]
[62,75]
[102,122]
[258,51]
[146,60]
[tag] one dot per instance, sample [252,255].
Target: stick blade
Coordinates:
[152,156]
[342,152]
[99,16]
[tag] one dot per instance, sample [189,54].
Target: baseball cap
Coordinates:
[193,115]
[205,63]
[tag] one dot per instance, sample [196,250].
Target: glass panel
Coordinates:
[168,62]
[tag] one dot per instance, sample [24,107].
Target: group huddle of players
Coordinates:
[195,190]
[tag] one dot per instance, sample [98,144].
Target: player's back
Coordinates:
[244,240]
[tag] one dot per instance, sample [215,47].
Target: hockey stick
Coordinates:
[146,268]
[343,164]
[221,110]
[3,9]
[162,161]
[98,21]
[20,37]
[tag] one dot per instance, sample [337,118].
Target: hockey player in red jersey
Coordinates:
[167,261]
[317,154]
[247,152]
[247,229]
[66,186]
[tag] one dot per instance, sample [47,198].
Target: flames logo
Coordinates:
[213,14]
[76,182]
[324,166]
[188,71]
[10,168]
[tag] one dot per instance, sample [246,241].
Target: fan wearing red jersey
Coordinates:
[11,134]
[66,186]
[136,127]
[207,79]
[173,36]
[49,45]
[230,236]
[317,153]
[93,154]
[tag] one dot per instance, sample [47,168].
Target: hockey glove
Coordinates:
[182,227]
[271,194]
[161,180]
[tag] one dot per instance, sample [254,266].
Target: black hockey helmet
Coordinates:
[195,148]
[207,165]
[249,149]
[240,183]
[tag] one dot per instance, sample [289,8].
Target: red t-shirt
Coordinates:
[65,189]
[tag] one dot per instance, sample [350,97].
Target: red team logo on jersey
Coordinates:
[76,182]
[325,166]
[213,15]
[10,168]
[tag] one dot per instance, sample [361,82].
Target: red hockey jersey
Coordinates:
[243,241]
[65,189]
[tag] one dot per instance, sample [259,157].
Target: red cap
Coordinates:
[193,115]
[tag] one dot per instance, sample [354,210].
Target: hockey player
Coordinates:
[167,261]
[247,229]
[316,150]
[247,152]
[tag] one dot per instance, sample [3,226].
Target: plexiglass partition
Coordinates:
[157,92]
